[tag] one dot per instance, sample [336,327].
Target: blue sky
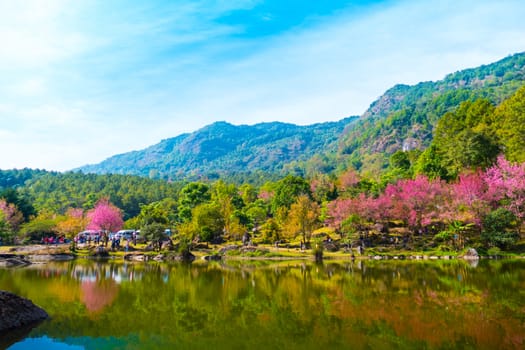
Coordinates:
[83,80]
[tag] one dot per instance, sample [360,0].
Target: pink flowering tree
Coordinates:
[472,198]
[506,181]
[348,181]
[417,202]
[357,215]
[10,220]
[11,215]
[105,216]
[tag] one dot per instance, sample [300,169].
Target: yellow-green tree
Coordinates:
[72,223]
[303,218]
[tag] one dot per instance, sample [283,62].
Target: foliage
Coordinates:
[288,190]
[208,222]
[192,195]
[499,229]
[11,215]
[302,218]
[508,179]
[511,128]
[155,233]
[22,203]
[74,221]
[374,181]
[43,225]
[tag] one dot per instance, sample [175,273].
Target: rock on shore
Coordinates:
[17,312]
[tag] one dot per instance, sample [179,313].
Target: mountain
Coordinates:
[222,149]
[403,118]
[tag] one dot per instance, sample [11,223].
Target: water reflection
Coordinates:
[361,304]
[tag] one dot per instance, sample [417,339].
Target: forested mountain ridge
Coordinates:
[404,117]
[222,149]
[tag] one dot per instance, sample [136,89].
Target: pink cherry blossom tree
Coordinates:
[105,216]
[417,202]
[471,198]
[507,181]
[11,215]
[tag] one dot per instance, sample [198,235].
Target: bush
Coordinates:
[499,229]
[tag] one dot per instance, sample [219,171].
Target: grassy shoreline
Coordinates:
[261,252]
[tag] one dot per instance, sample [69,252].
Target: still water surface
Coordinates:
[263,305]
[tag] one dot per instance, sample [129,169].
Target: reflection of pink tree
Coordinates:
[105,216]
[96,295]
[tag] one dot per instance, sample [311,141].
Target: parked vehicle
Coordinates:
[88,235]
[128,235]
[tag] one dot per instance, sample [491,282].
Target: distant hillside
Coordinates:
[404,117]
[221,149]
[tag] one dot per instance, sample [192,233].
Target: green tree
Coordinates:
[155,233]
[208,221]
[511,129]
[430,163]
[288,190]
[44,224]
[464,138]
[190,196]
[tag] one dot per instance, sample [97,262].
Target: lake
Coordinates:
[273,305]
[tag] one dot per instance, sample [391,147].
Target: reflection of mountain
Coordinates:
[96,295]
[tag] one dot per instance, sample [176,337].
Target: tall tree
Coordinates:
[511,130]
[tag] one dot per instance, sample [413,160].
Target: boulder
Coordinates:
[331,247]
[212,257]
[159,257]
[227,248]
[184,257]
[12,260]
[135,257]
[471,254]
[100,252]
[16,312]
